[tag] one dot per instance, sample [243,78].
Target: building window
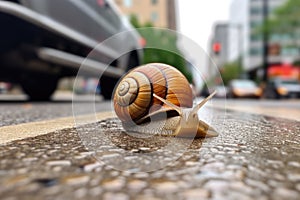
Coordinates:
[255,11]
[275,37]
[289,51]
[255,24]
[154,2]
[255,37]
[154,16]
[256,51]
[127,3]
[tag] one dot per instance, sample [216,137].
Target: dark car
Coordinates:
[45,40]
[239,88]
[282,88]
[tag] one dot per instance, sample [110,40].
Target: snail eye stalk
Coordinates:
[178,109]
[197,107]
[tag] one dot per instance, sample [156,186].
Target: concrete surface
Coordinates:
[255,157]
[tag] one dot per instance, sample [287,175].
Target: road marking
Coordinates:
[33,129]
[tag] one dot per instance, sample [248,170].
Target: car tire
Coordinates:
[107,86]
[108,83]
[39,88]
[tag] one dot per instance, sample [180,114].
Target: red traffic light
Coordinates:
[217,47]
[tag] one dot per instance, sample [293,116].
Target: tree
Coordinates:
[230,71]
[286,18]
[161,46]
[285,22]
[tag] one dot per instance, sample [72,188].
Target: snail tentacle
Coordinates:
[178,109]
[197,107]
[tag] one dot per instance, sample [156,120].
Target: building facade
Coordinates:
[220,38]
[161,13]
[219,47]
[249,15]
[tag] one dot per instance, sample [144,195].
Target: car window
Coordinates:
[70,13]
[244,84]
[290,82]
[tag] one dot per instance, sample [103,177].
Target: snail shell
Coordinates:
[157,99]
[133,98]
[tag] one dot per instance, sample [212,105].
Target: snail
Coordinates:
[157,99]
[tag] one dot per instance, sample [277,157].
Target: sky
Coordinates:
[195,21]
[196,18]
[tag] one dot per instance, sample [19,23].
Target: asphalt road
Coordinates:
[254,157]
[284,108]
[15,109]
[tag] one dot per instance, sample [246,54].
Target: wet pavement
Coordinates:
[254,157]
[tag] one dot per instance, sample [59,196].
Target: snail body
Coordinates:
[157,99]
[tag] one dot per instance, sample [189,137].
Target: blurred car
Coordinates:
[45,40]
[282,88]
[239,88]
[221,91]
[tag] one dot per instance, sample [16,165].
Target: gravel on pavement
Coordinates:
[254,157]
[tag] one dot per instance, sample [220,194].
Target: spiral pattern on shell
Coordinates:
[133,96]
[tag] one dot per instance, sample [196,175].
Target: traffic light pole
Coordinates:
[241,48]
[265,40]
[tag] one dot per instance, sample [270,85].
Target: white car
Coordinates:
[45,40]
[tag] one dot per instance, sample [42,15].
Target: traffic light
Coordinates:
[217,47]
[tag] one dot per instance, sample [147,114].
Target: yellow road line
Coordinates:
[33,129]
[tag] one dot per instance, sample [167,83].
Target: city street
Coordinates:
[14,109]
[254,157]
[168,65]
[284,108]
